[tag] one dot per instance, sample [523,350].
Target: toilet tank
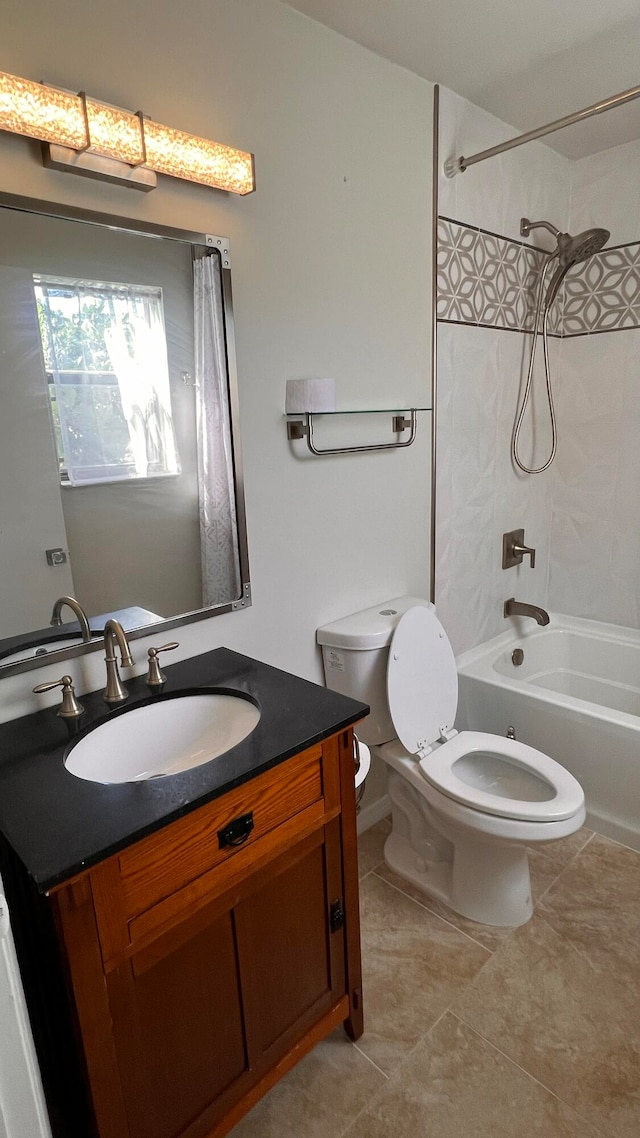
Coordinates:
[354,654]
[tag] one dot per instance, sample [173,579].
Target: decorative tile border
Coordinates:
[603,294]
[488,280]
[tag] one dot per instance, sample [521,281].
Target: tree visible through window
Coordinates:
[105,356]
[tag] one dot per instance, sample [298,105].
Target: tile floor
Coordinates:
[488,1032]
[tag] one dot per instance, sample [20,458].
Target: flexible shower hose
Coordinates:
[527,390]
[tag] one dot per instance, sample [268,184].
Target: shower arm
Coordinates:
[526,226]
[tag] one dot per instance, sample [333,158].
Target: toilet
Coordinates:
[465,805]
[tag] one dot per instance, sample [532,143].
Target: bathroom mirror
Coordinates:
[120,474]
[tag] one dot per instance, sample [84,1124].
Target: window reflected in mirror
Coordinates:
[105,360]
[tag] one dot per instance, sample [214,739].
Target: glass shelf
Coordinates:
[359,411]
[300,426]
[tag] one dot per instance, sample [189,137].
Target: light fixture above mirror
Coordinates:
[85,136]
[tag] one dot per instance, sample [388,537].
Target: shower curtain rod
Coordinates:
[455,166]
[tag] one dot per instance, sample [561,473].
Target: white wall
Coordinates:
[331,271]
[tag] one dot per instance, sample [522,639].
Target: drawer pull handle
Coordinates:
[236,832]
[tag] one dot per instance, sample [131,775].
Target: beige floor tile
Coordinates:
[595,906]
[456,1084]
[575,1028]
[544,871]
[414,965]
[486,935]
[549,859]
[371,846]
[318,1098]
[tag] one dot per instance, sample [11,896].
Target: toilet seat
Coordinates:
[493,827]
[469,767]
[560,794]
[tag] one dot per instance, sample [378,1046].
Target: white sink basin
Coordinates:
[162,738]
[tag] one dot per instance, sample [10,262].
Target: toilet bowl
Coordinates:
[465,805]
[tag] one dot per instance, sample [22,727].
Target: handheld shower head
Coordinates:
[570,251]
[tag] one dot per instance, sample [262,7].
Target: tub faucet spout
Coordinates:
[512,607]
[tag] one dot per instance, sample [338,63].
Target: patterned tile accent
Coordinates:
[487,280]
[603,294]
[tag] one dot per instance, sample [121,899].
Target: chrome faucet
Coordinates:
[512,607]
[114,634]
[71,603]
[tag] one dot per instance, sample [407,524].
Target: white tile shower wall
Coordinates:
[479,494]
[604,191]
[480,372]
[595,532]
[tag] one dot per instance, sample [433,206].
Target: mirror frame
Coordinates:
[140,228]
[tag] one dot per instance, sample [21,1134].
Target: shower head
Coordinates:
[570,251]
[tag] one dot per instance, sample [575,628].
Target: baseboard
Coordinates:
[373,813]
[622,834]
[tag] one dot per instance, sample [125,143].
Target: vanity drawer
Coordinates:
[165,862]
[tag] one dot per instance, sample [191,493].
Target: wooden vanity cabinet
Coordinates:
[200,971]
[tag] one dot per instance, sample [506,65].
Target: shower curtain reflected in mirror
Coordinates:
[218,526]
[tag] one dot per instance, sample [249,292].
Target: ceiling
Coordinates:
[528,63]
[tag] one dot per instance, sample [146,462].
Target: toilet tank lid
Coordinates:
[370,628]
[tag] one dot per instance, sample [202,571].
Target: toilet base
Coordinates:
[483,879]
[489,885]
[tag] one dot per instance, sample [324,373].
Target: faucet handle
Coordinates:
[69,708]
[514,549]
[521,551]
[155,678]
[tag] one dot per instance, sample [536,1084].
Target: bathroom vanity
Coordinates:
[185,940]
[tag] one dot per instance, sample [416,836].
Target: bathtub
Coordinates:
[576,696]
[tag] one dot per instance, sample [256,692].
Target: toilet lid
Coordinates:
[422,680]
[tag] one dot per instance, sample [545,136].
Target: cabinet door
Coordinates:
[202,1013]
[290,947]
[177,1026]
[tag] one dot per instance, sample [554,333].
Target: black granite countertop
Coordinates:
[59,824]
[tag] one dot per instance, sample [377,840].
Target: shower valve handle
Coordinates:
[514,549]
[521,551]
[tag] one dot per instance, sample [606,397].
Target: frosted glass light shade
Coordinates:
[41,112]
[58,117]
[186,156]
[115,133]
